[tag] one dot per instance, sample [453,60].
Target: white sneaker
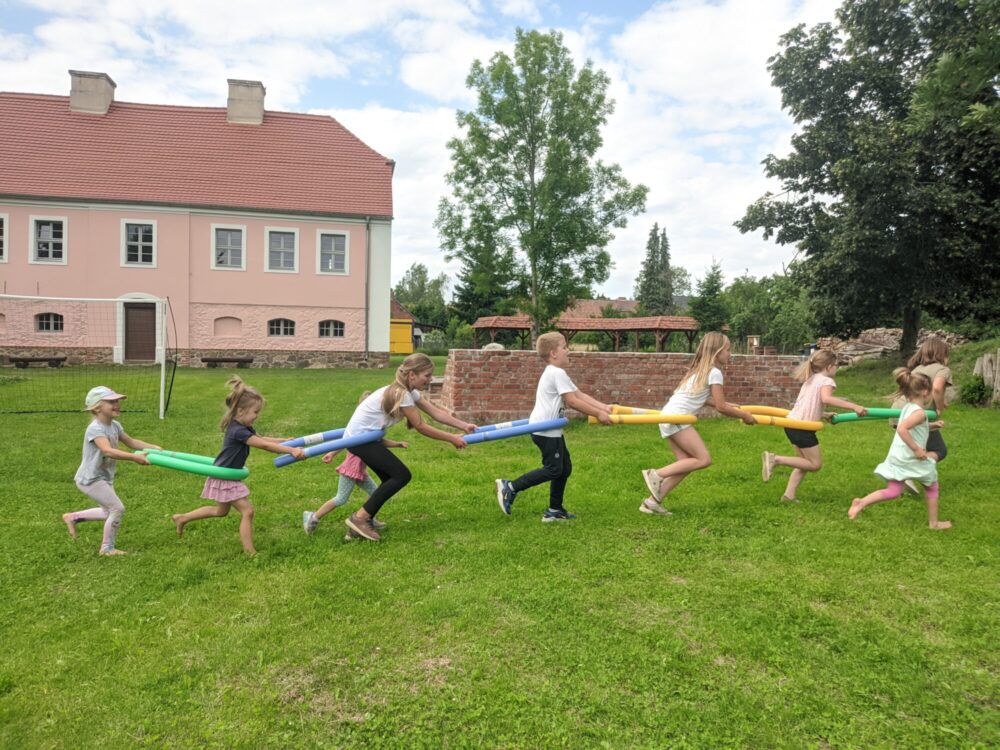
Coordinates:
[653,482]
[308,521]
[654,508]
[766,465]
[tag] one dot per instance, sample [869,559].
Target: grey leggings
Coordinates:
[110,511]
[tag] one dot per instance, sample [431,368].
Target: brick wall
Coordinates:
[493,386]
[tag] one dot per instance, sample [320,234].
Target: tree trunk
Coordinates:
[911,328]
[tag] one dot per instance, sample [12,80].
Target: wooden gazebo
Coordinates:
[617,329]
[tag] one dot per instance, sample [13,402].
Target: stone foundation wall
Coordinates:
[492,386]
[74,355]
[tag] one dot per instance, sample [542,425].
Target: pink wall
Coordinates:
[183,272]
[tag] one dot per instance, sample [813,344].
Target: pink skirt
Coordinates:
[353,468]
[224,490]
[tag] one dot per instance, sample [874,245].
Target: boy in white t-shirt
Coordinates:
[555,392]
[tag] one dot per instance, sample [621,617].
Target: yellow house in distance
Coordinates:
[400,328]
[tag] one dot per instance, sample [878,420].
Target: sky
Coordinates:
[695,113]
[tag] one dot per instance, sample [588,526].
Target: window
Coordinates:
[281,327]
[138,243]
[331,329]
[48,322]
[227,247]
[48,239]
[332,254]
[4,221]
[282,250]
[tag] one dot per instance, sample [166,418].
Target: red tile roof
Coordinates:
[188,156]
[397,311]
[566,323]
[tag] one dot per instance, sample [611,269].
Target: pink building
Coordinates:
[269,232]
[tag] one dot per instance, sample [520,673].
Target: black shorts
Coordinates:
[802,438]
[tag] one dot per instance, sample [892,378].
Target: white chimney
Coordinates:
[90,92]
[246,102]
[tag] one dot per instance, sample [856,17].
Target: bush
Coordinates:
[434,343]
[975,391]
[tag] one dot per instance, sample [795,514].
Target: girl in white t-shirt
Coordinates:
[816,374]
[701,384]
[385,407]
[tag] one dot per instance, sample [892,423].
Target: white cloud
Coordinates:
[526,10]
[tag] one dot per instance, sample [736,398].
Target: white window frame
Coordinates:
[343,329]
[32,221]
[319,253]
[291,335]
[124,257]
[5,237]
[267,249]
[243,253]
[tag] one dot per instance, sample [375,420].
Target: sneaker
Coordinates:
[309,521]
[552,514]
[379,525]
[362,527]
[653,481]
[352,536]
[505,495]
[653,507]
[911,486]
[767,465]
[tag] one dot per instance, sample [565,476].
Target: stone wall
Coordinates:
[492,386]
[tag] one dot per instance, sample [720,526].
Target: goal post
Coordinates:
[54,349]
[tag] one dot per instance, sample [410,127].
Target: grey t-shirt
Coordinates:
[94,465]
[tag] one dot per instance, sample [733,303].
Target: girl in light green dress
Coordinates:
[908,459]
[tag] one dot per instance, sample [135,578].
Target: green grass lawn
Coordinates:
[740,621]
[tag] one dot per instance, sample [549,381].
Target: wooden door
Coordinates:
[140,331]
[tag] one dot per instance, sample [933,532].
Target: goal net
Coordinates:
[55,349]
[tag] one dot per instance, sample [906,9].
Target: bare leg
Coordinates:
[894,490]
[931,497]
[246,524]
[809,459]
[206,511]
[692,455]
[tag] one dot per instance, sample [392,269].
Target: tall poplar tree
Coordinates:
[525,179]
[654,287]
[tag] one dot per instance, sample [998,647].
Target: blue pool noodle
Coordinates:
[525,428]
[500,425]
[333,445]
[314,439]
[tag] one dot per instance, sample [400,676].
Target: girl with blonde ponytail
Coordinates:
[243,405]
[390,404]
[818,385]
[701,384]
[908,458]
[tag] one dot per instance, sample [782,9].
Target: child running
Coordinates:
[96,476]
[701,384]
[818,385]
[554,393]
[353,473]
[243,406]
[388,405]
[908,457]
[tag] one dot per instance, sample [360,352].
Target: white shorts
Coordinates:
[666,430]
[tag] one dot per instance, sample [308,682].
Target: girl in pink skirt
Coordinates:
[243,405]
[353,473]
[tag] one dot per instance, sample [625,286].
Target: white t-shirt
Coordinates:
[686,401]
[549,398]
[809,404]
[94,466]
[369,415]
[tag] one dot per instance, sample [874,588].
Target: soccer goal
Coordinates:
[55,349]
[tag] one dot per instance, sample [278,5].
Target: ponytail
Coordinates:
[818,361]
[392,399]
[910,383]
[240,396]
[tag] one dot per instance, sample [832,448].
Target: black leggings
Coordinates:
[391,472]
[556,468]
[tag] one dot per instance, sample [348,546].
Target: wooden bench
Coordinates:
[216,361]
[22,362]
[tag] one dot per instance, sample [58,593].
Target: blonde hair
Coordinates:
[818,361]
[934,350]
[241,396]
[394,393]
[364,395]
[910,383]
[711,344]
[548,343]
